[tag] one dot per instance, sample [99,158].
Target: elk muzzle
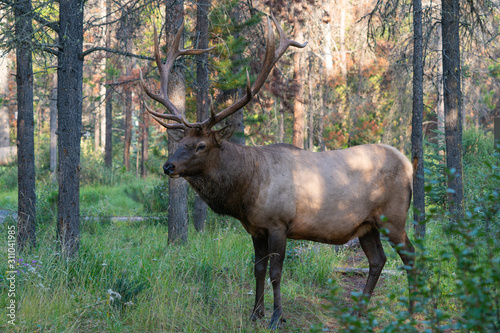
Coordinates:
[169,169]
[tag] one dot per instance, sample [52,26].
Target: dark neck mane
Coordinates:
[233,179]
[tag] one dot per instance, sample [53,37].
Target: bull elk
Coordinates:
[280,191]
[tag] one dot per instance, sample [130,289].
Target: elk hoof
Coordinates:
[257,314]
[277,321]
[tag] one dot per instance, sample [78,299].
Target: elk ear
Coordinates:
[224,133]
[176,134]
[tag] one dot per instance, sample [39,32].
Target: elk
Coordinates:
[280,191]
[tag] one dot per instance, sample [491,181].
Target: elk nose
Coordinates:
[168,168]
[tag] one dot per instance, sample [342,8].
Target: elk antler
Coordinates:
[270,59]
[164,69]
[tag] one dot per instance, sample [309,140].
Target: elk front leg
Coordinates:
[277,247]
[260,269]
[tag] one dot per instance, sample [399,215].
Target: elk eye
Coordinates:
[201,147]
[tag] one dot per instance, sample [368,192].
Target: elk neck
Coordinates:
[231,183]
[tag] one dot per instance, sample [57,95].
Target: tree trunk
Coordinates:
[202,97]
[97,126]
[342,30]
[144,140]
[177,188]
[4,94]
[53,128]
[108,145]
[440,103]
[69,104]
[26,236]
[310,116]
[452,104]
[236,119]
[417,116]
[328,74]
[128,122]
[102,85]
[127,91]
[298,103]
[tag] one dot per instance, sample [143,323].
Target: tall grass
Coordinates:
[208,284]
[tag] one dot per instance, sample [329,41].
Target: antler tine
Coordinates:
[157,117]
[270,59]
[284,42]
[164,69]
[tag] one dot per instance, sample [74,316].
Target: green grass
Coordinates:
[204,286]
[94,200]
[8,199]
[208,284]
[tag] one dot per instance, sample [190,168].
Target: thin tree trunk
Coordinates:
[298,103]
[281,120]
[26,233]
[53,128]
[310,116]
[202,97]
[452,104]
[4,93]
[237,118]
[97,126]
[342,30]
[144,140]
[108,145]
[69,104]
[328,75]
[417,116]
[127,90]
[177,188]
[128,122]
[440,103]
[102,85]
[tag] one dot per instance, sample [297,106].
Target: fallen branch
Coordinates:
[363,271]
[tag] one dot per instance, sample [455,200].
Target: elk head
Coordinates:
[198,142]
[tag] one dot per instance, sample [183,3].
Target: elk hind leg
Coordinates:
[406,252]
[372,247]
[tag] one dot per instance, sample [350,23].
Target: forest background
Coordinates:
[351,85]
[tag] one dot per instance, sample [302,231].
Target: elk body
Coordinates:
[280,191]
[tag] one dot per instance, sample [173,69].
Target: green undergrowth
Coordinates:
[206,285]
[127,279]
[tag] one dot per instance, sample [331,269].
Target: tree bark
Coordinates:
[310,116]
[237,118]
[26,233]
[69,104]
[417,116]
[452,104]
[177,188]
[440,103]
[53,128]
[202,97]
[97,126]
[298,103]
[102,85]
[144,140]
[127,91]
[4,93]
[108,144]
